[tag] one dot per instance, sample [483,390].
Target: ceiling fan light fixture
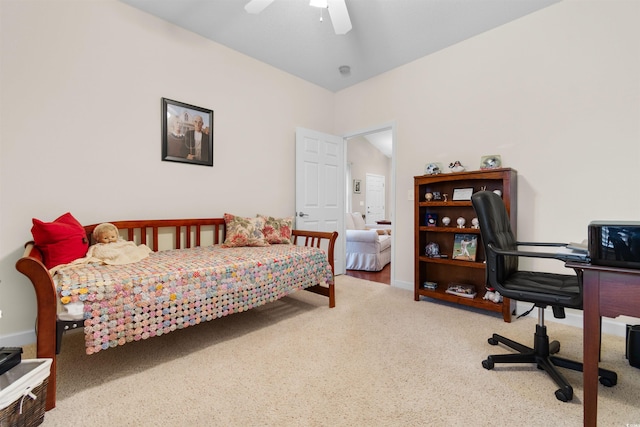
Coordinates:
[319,3]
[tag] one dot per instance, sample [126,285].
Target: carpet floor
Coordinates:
[377,359]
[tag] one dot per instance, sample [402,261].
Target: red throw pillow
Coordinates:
[61,241]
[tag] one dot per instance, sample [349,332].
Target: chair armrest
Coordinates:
[540,244]
[368,236]
[378,226]
[534,254]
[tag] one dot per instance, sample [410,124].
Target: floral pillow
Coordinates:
[243,231]
[277,230]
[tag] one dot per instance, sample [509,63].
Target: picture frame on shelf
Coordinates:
[465,247]
[187,133]
[460,194]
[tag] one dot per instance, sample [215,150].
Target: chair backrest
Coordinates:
[495,229]
[541,288]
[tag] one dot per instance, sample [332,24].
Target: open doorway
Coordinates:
[369,158]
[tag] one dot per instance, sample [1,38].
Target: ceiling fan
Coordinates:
[337,11]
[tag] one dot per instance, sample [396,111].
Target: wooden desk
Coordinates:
[609,292]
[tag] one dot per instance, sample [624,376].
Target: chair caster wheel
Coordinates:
[608,382]
[564,395]
[492,341]
[554,347]
[487,364]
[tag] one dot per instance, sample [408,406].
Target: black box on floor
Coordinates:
[633,345]
[9,357]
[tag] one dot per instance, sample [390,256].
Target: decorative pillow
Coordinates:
[277,230]
[358,221]
[243,231]
[348,222]
[61,241]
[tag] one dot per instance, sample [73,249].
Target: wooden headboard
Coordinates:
[178,233]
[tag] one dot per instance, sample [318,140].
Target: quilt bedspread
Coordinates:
[178,288]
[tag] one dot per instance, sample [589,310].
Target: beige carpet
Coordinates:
[377,359]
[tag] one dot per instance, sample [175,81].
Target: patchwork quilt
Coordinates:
[178,288]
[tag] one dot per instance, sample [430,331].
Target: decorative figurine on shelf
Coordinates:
[428,197]
[432,169]
[431,219]
[490,162]
[432,250]
[461,222]
[493,296]
[446,221]
[445,195]
[475,223]
[456,166]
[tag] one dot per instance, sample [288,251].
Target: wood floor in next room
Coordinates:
[382,276]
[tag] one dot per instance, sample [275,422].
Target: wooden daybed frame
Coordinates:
[185,233]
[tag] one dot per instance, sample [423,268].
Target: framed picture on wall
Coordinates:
[356,186]
[187,133]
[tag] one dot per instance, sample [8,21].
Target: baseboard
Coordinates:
[402,285]
[574,318]
[18,339]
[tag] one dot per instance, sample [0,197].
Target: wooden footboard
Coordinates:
[158,235]
[316,239]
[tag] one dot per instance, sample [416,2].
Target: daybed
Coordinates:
[191,280]
[368,248]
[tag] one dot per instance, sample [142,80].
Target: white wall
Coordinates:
[80,132]
[364,159]
[555,93]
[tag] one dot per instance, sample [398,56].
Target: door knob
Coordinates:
[302,214]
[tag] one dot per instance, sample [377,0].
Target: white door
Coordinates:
[320,186]
[375,198]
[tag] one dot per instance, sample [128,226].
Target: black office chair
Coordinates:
[541,289]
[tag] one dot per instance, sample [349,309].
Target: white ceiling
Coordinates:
[386,34]
[383,141]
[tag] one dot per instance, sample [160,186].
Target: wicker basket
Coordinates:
[32,409]
[18,387]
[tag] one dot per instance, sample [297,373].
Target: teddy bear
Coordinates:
[493,296]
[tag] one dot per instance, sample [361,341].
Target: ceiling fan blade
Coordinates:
[339,16]
[257,6]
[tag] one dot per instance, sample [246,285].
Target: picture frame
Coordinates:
[187,133]
[465,247]
[462,194]
[357,184]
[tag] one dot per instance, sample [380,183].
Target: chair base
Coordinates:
[541,355]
